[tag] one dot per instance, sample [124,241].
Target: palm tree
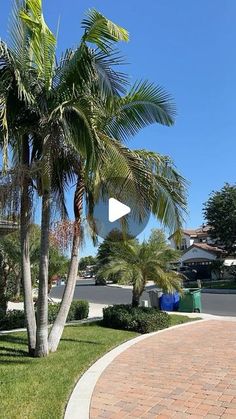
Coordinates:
[71,121]
[55,106]
[136,264]
[152,179]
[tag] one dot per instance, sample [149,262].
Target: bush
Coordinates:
[14,319]
[53,310]
[137,319]
[79,310]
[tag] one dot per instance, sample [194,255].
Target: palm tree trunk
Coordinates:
[3,299]
[135,297]
[59,324]
[25,254]
[17,286]
[41,349]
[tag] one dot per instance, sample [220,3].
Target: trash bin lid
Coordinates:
[193,290]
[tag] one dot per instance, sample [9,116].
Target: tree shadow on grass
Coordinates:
[13,339]
[14,361]
[90,342]
[13,351]
[7,350]
[87,324]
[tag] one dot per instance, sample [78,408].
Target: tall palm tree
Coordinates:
[80,106]
[51,106]
[136,264]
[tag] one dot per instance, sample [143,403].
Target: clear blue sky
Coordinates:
[188,47]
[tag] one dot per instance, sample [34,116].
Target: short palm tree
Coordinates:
[136,264]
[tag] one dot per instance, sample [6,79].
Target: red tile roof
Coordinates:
[195,232]
[206,247]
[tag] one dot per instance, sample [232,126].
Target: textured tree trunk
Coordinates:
[17,286]
[59,324]
[41,349]
[25,254]
[135,297]
[3,299]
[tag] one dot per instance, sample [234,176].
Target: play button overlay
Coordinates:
[120,211]
[117,210]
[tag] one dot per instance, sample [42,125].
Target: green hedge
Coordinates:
[78,310]
[15,319]
[138,319]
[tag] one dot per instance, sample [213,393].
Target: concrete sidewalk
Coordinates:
[185,372]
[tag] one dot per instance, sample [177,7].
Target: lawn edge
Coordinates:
[78,405]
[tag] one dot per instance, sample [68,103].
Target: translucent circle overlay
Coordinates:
[128,193]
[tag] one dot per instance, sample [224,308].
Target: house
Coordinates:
[189,237]
[198,250]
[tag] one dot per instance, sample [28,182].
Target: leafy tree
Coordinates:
[10,266]
[107,250]
[87,261]
[220,213]
[108,247]
[136,264]
[217,268]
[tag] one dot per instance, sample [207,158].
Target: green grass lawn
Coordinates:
[180,319]
[39,388]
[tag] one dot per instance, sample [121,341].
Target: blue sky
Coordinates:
[188,47]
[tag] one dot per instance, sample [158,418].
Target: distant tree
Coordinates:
[10,263]
[158,242]
[87,261]
[220,213]
[157,238]
[107,249]
[217,268]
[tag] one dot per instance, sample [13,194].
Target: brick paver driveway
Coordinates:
[188,372]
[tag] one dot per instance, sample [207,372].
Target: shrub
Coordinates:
[14,319]
[79,310]
[53,310]
[138,319]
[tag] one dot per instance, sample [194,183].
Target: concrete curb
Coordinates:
[78,405]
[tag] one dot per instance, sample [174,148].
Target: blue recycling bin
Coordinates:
[169,302]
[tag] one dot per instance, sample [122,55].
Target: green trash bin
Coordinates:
[191,301]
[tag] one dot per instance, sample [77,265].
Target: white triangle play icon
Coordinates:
[117,210]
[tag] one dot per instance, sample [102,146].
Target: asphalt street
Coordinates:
[221,304]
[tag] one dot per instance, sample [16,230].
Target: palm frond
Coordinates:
[144,105]
[42,42]
[110,82]
[101,31]
[168,190]
[75,70]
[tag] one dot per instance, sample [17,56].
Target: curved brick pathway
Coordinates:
[187,372]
